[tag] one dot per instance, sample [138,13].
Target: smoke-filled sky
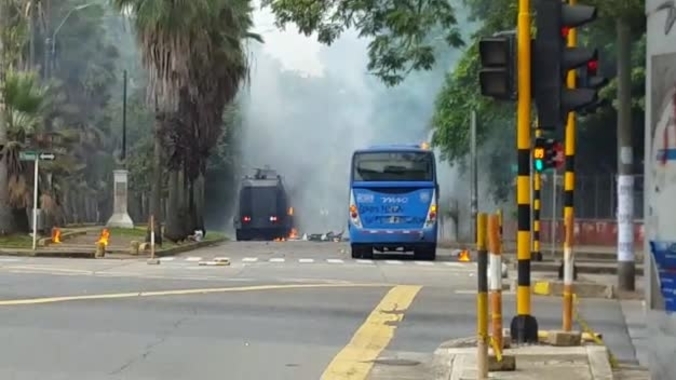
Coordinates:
[308,107]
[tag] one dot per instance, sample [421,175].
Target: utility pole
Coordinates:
[524,326]
[474,183]
[626,266]
[46,60]
[123,156]
[568,272]
[33,30]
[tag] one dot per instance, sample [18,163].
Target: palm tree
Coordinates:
[24,99]
[195,57]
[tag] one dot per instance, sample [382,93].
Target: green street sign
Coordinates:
[28,156]
[32,156]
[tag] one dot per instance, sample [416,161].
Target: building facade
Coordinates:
[660,186]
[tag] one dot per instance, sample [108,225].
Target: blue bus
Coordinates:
[393,201]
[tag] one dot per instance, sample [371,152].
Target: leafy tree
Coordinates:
[189,91]
[399,31]
[460,95]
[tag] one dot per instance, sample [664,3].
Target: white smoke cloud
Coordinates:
[308,107]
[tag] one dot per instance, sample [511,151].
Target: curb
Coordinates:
[47,241]
[64,254]
[451,351]
[599,363]
[86,254]
[173,251]
[554,288]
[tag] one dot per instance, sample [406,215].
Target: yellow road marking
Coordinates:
[180,292]
[355,360]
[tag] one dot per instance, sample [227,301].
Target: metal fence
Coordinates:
[595,196]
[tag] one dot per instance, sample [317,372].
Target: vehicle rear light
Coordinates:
[273,218]
[432,212]
[247,218]
[354,212]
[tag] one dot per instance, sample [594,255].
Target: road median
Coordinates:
[118,251]
[584,361]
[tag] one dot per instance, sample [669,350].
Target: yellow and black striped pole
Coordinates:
[495,280]
[537,205]
[568,197]
[524,327]
[482,295]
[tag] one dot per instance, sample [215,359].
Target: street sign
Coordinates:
[32,156]
[27,156]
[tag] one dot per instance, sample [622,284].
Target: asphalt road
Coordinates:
[291,319]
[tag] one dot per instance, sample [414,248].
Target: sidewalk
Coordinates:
[81,243]
[536,363]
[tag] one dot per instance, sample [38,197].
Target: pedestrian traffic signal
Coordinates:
[553,59]
[547,154]
[498,66]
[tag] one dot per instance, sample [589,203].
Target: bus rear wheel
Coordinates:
[425,253]
[361,251]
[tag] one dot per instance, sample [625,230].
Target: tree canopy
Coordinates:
[399,30]
[597,132]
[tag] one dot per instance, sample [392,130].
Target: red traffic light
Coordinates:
[592,67]
[565,31]
[559,157]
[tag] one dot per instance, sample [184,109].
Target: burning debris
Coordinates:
[328,236]
[104,238]
[293,235]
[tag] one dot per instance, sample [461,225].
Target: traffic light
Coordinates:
[547,154]
[588,78]
[498,66]
[552,59]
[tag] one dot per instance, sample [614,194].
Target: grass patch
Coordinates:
[16,241]
[135,232]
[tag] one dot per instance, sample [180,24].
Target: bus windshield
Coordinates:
[393,166]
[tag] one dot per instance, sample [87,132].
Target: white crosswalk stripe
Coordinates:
[424,263]
[176,261]
[452,264]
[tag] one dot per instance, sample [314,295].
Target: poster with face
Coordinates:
[662,165]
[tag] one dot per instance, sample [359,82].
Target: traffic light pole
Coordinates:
[524,327]
[568,197]
[537,204]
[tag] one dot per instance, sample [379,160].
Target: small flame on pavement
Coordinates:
[56,235]
[293,234]
[104,238]
[464,256]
